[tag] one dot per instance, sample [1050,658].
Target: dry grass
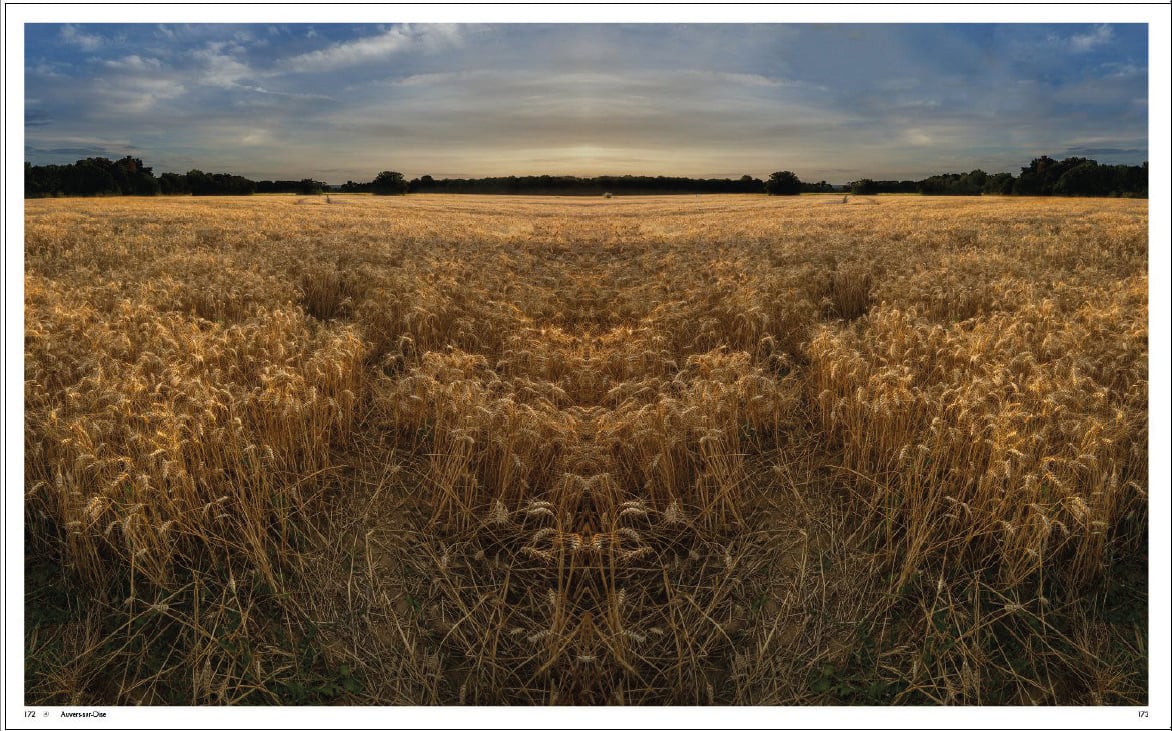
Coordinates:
[443,450]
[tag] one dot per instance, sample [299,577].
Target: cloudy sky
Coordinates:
[341,102]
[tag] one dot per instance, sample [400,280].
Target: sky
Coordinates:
[830,102]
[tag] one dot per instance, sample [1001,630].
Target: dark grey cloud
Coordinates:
[36,118]
[1106,151]
[72,151]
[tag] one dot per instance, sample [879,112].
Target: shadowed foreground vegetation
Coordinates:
[446,450]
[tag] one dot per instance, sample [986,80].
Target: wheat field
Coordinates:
[662,450]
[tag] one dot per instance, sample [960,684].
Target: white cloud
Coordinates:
[1083,42]
[74,36]
[135,95]
[133,63]
[375,48]
[915,136]
[219,68]
[257,137]
[1115,70]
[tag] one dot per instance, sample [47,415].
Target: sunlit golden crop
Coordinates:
[562,450]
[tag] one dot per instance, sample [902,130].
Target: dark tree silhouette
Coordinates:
[866,186]
[998,184]
[174,184]
[389,182]
[783,182]
[309,186]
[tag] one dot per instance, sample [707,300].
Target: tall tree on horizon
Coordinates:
[783,182]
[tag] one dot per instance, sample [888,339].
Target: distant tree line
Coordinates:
[98,176]
[92,176]
[572,185]
[1074,176]
[786,182]
[820,187]
[388,182]
[305,186]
